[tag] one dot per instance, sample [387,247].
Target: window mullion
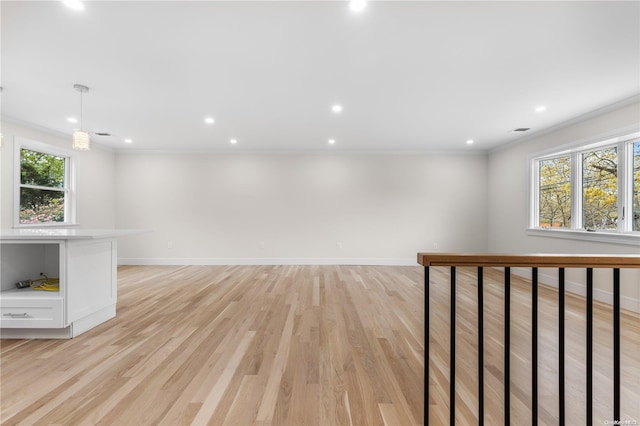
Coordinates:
[633,208]
[66,191]
[45,188]
[576,191]
[624,188]
[535,194]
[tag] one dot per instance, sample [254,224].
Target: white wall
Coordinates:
[221,208]
[95,178]
[508,202]
[382,208]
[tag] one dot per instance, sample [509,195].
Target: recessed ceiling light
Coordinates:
[128,141]
[336,108]
[74,4]
[72,120]
[233,141]
[332,141]
[357,5]
[469,141]
[541,108]
[209,120]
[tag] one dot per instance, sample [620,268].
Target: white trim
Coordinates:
[270,261]
[70,173]
[36,333]
[625,193]
[313,151]
[534,193]
[600,295]
[573,287]
[622,142]
[592,114]
[632,239]
[623,134]
[92,320]
[577,199]
[62,135]
[42,147]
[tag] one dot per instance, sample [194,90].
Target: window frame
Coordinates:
[69,187]
[629,164]
[536,213]
[624,233]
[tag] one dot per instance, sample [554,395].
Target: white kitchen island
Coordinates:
[85,261]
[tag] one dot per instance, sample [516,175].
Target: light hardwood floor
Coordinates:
[297,345]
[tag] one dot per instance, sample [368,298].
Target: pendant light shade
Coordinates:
[81,140]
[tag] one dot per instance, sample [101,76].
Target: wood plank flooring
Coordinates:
[305,345]
[236,345]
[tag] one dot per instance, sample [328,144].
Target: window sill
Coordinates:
[45,225]
[598,236]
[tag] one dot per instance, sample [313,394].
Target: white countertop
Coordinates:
[63,233]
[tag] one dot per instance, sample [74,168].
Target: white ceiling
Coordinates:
[410,75]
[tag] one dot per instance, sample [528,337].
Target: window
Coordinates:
[44,192]
[555,193]
[636,186]
[589,188]
[600,189]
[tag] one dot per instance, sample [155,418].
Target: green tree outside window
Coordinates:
[42,187]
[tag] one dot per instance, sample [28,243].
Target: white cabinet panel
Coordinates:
[91,277]
[31,312]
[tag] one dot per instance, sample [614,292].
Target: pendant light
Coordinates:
[81,141]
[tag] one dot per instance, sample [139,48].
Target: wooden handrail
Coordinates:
[541,260]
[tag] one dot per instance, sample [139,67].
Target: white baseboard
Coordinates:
[600,295]
[36,333]
[81,325]
[571,286]
[270,261]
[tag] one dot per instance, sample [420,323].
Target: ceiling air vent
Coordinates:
[103,134]
[520,129]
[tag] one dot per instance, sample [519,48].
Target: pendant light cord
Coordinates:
[81,91]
